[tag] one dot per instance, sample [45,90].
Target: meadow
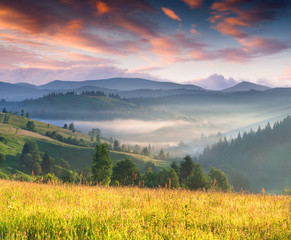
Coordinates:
[52,211]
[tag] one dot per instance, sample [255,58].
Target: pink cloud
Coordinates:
[171,14]
[164,46]
[193,3]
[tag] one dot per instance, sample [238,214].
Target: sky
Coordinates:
[213,44]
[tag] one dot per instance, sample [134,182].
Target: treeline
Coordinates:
[188,175]
[69,140]
[83,93]
[247,151]
[17,113]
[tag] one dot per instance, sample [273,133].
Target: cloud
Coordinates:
[84,25]
[215,82]
[102,8]
[164,46]
[193,3]
[171,14]
[234,17]
[193,29]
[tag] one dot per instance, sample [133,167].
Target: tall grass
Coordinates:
[39,211]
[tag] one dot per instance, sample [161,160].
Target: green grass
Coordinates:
[77,156]
[39,211]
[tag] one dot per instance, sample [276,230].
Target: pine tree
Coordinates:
[102,164]
[46,163]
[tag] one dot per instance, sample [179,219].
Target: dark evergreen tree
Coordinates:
[22,113]
[65,126]
[4,110]
[72,127]
[102,164]
[46,163]
[175,166]
[27,115]
[186,168]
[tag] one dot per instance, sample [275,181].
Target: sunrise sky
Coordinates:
[213,44]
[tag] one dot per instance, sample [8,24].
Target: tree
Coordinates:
[32,148]
[22,113]
[64,163]
[150,165]
[175,166]
[102,164]
[28,160]
[219,179]
[125,172]
[116,145]
[162,155]
[36,168]
[72,127]
[196,180]
[168,177]
[4,110]
[2,157]
[30,126]
[186,168]
[65,126]
[27,115]
[46,163]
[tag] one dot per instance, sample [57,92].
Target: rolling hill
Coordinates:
[13,137]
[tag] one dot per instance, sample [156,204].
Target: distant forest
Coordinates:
[261,157]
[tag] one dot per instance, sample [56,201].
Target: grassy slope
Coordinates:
[77,156]
[46,211]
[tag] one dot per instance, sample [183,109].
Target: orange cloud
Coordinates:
[193,3]
[164,46]
[171,14]
[102,8]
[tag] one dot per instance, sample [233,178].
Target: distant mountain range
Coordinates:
[125,87]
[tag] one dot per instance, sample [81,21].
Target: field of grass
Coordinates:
[39,211]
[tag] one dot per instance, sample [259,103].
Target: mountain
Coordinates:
[246,86]
[124,84]
[18,92]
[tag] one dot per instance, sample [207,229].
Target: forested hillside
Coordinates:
[259,159]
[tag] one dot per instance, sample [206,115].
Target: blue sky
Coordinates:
[210,43]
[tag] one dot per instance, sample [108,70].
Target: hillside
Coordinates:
[14,136]
[260,158]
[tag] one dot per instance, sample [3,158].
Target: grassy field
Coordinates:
[38,211]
